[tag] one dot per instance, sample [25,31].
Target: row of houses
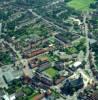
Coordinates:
[66,42]
[43,66]
[34,53]
[45,96]
[44,78]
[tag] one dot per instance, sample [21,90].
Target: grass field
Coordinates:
[51,72]
[82,5]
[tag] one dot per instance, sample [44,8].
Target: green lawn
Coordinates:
[82,5]
[33,95]
[51,72]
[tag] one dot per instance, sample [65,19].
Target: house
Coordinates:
[44,96]
[36,62]
[33,63]
[19,94]
[39,96]
[44,79]
[71,86]
[39,84]
[43,65]
[59,65]
[61,39]
[15,96]
[78,83]
[34,53]
[48,96]
[77,64]
[93,96]
[59,80]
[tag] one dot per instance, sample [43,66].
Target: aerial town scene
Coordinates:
[48,49]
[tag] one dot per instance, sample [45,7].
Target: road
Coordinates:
[93,59]
[86,30]
[31,21]
[16,52]
[24,62]
[87,78]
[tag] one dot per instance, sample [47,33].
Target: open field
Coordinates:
[82,5]
[51,72]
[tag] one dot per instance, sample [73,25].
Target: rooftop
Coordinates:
[76,64]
